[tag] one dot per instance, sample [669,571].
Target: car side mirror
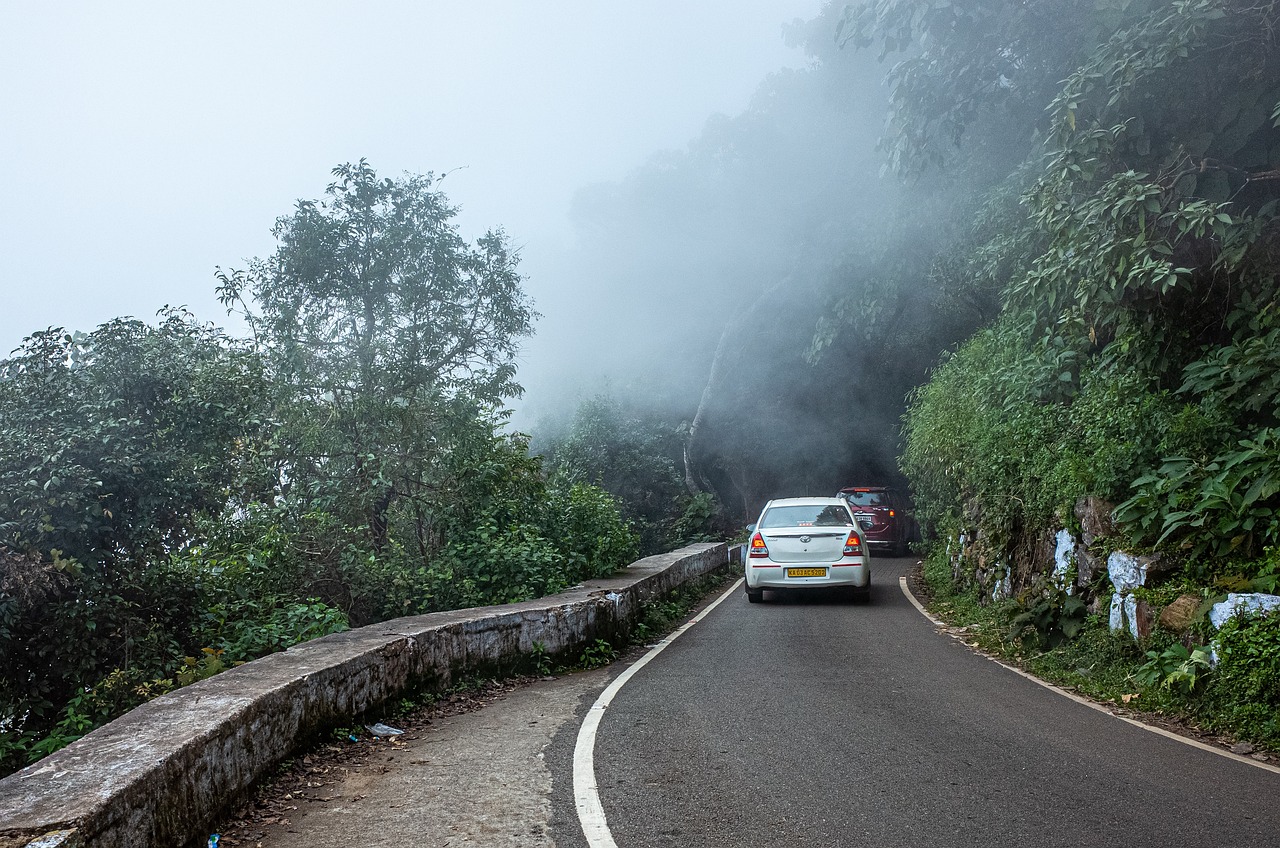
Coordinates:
[864,523]
[751,528]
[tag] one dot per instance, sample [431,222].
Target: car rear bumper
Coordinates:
[774,576]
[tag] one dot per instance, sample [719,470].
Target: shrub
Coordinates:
[1244,693]
[588,529]
[1176,668]
[291,623]
[1047,617]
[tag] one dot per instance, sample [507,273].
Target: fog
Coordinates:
[148,143]
[755,247]
[687,186]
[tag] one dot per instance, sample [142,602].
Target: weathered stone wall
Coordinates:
[160,774]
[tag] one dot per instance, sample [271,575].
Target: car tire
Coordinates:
[862,596]
[755,596]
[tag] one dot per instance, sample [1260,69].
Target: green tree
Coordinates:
[113,445]
[631,455]
[385,328]
[391,343]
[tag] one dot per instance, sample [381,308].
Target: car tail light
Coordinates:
[758,548]
[852,545]
[891,513]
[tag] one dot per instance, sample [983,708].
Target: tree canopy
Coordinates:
[385,328]
[173,501]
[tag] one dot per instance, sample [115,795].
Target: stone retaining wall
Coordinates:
[159,775]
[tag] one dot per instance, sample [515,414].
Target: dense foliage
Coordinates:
[173,501]
[114,444]
[1133,358]
[635,456]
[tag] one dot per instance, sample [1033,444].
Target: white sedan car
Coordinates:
[807,543]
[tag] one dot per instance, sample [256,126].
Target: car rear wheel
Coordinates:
[755,596]
[862,596]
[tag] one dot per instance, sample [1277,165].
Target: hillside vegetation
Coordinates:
[1134,361]
[174,501]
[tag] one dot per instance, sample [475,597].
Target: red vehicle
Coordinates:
[885,517]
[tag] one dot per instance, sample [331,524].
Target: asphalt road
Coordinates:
[827,723]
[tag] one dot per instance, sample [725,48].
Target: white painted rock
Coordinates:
[1238,602]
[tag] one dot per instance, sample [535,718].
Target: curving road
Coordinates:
[824,723]
[790,723]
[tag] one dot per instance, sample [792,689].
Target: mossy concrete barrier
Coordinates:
[161,774]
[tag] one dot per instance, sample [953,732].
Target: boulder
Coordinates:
[1064,560]
[1242,602]
[1094,515]
[1154,564]
[1098,606]
[1181,614]
[1088,566]
[1143,620]
[1127,612]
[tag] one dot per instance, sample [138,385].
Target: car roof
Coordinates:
[805,502]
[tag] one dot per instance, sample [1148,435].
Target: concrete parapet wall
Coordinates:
[159,775]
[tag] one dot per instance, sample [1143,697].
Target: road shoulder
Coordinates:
[913,584]
[469,772]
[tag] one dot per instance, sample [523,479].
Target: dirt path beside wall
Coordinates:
[474,777]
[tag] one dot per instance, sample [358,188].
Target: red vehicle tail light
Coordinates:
[758,548]
[852,545]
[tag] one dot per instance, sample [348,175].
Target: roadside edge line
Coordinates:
[1080,699]
[585,795]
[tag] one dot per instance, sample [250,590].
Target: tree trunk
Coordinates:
[742,320]
[690,478]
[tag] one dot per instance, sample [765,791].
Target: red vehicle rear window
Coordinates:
[858,498]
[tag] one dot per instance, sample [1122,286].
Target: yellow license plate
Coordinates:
[806,572]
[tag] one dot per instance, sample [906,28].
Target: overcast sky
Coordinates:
[147,143]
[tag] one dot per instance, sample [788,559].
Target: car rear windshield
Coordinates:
[867,498]
[815,515]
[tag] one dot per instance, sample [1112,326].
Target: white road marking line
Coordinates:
[1093,705]
[585,795]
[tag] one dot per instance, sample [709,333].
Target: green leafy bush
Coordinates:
[496,564]
[1244,693]
[588,529]
[631,456]
[699,522]
[1176,667]
[1048,617]
[245,638]
[598,654]
[1226,506]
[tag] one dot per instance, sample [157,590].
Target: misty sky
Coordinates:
[147,143]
